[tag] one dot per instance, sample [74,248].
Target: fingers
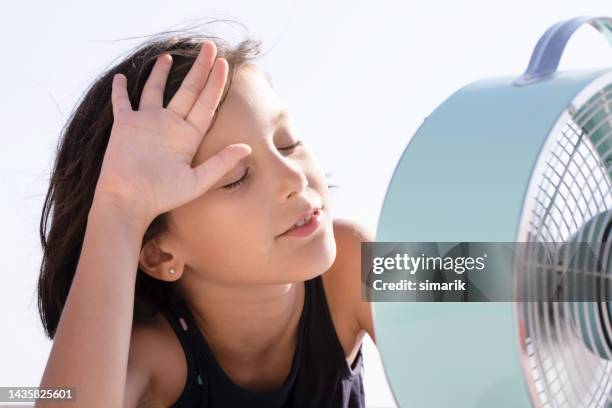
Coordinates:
[202,112]
[119,95]
[153,91]
[213,169]
[194,81]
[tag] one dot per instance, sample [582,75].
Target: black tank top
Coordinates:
[319,375]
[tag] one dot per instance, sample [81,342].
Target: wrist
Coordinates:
[110,209]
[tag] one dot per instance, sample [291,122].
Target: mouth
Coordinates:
[306,224]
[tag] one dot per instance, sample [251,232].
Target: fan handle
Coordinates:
[547,52]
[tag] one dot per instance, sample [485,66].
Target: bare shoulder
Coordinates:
[352,317]
[157,366]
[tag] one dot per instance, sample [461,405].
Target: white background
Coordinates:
[358,77]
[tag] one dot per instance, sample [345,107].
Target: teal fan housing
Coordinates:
[525,159]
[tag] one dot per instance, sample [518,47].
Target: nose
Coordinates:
[290,179]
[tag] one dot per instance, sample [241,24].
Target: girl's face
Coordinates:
[233,235]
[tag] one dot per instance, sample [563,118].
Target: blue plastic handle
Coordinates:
[549,49]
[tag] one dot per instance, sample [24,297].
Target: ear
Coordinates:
[158,259]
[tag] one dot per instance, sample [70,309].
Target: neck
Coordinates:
[245,324]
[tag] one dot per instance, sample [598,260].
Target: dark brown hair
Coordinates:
[78,160]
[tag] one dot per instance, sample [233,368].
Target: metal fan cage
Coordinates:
[570,186]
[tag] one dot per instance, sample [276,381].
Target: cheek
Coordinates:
[230,233]
[231,240]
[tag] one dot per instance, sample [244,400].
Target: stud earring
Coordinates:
[172,271]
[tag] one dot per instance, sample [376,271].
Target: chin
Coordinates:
[322,259]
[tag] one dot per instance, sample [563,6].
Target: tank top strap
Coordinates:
[194,392]
[323,326]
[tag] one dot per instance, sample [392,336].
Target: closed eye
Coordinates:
[237,183]
[293,146]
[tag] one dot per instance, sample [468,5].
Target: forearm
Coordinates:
[91,345]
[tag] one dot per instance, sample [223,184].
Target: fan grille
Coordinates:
[565,362]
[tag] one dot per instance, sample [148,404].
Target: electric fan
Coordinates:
[524,159]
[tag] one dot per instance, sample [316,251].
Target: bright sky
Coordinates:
[359,77]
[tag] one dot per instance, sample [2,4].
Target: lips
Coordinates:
[305,214]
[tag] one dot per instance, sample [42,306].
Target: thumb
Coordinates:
[213,169]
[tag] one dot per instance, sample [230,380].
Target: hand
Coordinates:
[147,164]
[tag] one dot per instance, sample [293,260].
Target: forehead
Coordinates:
[247,112]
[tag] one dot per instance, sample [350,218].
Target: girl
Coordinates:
[192,255]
